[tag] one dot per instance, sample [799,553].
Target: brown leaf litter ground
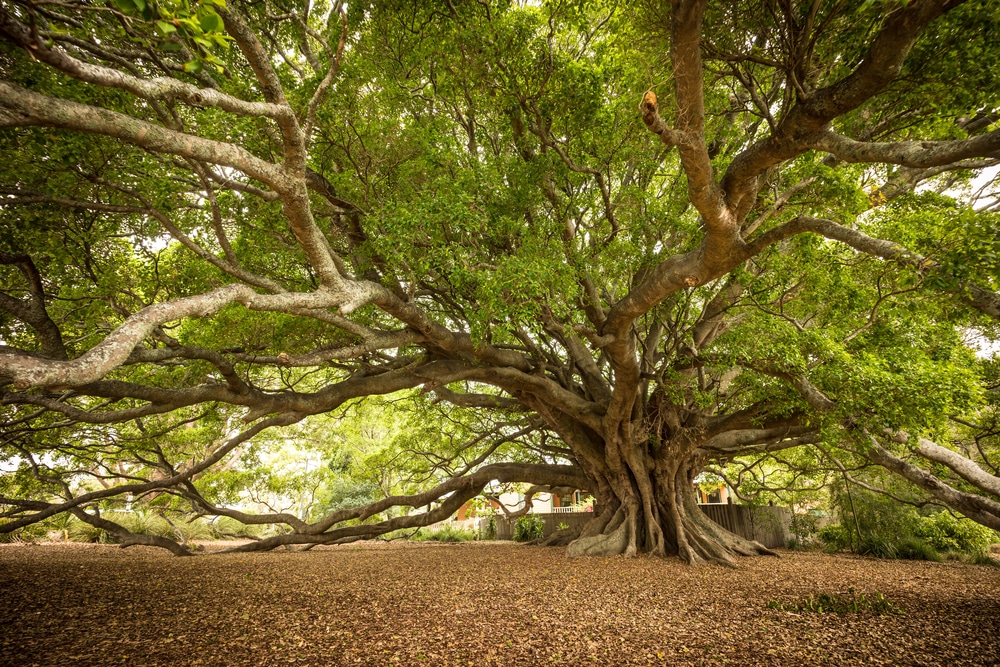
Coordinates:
[479,604]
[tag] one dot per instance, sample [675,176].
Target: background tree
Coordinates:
[254,214]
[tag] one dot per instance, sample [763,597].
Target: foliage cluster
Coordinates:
[850,603]
[802,528]
[946,532]
[446,533]
[876,525]
[528,527]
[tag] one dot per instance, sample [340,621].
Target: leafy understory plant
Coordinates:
[529,527]
[841,603]
[983,558]
[445,534]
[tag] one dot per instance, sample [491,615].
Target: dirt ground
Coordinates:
[479,604]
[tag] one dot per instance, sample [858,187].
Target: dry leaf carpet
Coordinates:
[478,604]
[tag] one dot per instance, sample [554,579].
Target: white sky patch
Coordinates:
[981,192]
[158,243]
[985,348]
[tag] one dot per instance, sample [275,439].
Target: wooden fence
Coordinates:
[767,525]
[505,528]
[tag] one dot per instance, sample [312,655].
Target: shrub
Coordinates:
[879,546]
[529,527]
[446,533]
[912,548]
[889,529]
[802,527]
[199,529]
[946,532]
[983,559]
[78,531]
[141,523]
[27,534]
[875,525]
[149,523]
[853,603]
[834,537]
[874,515]
[490,529]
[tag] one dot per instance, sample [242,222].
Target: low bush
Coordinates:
[849,603]
[529,527]
[490,529]
[875,525]
[31,533]
[879,546]
[446,533]
[803,530]
[78,531]
[139,523]
[946,532]
[912,548]
[834,537]
[224,527]
[983,559]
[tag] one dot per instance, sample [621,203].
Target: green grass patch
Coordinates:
[849,603]
[445,534]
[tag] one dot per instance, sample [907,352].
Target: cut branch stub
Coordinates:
[651,117]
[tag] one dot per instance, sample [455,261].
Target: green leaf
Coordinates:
[166,28]
[193,66]
[125,6]
[145,9]
[209,20]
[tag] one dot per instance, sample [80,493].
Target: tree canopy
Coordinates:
[587,244]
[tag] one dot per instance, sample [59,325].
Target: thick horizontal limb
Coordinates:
[971,294]
[922,154]
[161,88]
[145,487]
[23,107]
[965,468]
[115,349]
[980,509]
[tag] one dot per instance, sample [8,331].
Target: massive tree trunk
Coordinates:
[645,503]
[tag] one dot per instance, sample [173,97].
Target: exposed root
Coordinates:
[733,543]
[561,538]
[681,529]
[611,542]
